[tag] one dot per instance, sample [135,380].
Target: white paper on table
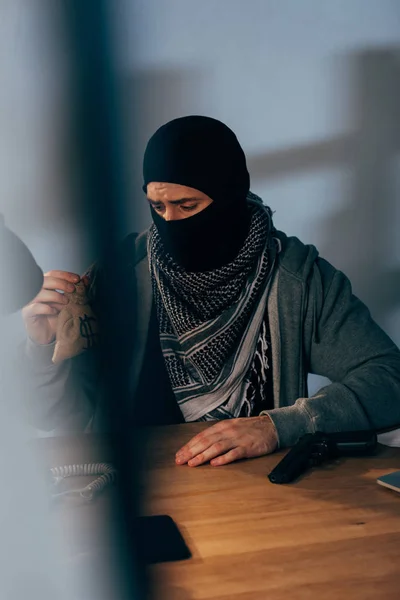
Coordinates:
[391,438]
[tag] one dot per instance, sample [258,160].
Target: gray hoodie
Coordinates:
[317,326]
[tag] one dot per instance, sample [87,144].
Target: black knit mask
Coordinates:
[204,154]
[208,240]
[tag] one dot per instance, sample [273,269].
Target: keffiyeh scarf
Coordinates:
[211,323]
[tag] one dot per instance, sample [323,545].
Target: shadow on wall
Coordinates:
[152,98]
[359,239]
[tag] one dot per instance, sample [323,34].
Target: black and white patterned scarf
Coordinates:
[210,322]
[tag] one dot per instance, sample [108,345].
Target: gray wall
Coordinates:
[310,88]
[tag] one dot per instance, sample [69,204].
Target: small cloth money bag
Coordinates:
[77,327]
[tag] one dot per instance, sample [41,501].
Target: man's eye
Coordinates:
[158,207]
[189,208]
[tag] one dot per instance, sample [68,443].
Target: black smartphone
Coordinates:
[159,540]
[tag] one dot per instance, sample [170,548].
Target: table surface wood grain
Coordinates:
[334,533]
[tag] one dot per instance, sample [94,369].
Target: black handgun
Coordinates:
[314,448]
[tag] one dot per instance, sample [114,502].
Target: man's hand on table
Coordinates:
[230,440]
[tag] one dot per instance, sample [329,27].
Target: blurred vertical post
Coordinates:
[99,144]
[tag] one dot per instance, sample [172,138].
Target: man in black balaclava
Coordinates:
[230,317]
[210,258]
[195,167]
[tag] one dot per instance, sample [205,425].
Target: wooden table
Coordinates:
[333,534]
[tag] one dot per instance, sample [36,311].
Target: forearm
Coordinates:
[368,398]
[58,397]
[333,408]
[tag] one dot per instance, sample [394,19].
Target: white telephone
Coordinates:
[105,471]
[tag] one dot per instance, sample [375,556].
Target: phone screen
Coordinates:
[159,540]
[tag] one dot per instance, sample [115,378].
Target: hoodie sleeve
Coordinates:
[343,343]
[62,397]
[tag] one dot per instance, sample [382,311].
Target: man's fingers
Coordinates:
[197,445]
[234,454]
[213,451]
[35,308]
[39,309]
[57,306]
[205,436]
[64,275]
[197,439]
[47,296]
[230,440]
[56,283]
